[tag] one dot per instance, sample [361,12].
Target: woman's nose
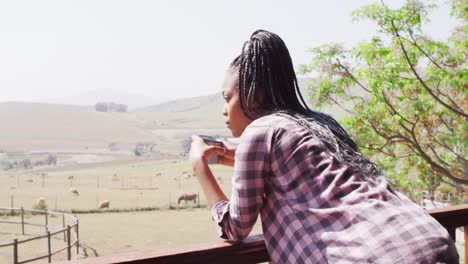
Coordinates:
[224,110]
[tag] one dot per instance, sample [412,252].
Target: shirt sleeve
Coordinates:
[236,217]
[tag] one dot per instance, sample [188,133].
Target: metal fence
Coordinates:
[67,230]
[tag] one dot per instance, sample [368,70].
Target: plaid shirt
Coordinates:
[316,210]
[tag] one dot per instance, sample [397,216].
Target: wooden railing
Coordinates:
[253,250]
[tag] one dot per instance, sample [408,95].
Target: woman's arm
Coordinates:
[236,217]
[199,152]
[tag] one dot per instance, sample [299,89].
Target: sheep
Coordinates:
[40,204]
[219,179]
[104,204]
[74,191]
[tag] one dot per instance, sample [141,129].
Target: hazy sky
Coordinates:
[160,49]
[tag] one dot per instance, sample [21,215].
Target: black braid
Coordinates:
[268,84]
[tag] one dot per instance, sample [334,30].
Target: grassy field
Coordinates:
[143,183]
[112,233]
[127,185]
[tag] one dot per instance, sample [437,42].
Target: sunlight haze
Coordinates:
[151,51]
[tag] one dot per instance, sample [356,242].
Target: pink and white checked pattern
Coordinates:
[315,210]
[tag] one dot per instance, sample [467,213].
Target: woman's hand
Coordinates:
[226,156]
[200,151]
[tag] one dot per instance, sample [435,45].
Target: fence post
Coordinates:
[77,236]
[22,220]
[169,200]
[46,220]
[68,243]
[49,247]
[11,199]
[63,226]
[15,251]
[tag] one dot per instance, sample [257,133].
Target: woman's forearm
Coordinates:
[210,186]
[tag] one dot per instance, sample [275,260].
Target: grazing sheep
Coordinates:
[74,191]
[40,204]
[104,204]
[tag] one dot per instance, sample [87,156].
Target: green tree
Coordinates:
[405,95]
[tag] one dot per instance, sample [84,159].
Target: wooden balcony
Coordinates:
[252,250]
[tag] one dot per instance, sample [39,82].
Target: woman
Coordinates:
[319,199]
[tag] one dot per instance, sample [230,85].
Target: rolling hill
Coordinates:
[60,127]
[56,127]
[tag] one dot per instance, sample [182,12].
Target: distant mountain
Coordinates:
[55,126]
[207,102]
[132,100]
[186,104]
[41,126]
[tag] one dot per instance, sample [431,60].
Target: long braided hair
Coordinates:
[268,84]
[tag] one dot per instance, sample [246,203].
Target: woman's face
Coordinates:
[236,120]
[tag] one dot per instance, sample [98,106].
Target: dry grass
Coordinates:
[129,185]
[113,233]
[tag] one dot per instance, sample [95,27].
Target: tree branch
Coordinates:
[422,51]
[423,83]
[409,97]
[395,112]
[352,76]
[340,106]
[437,156]
[433,164]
